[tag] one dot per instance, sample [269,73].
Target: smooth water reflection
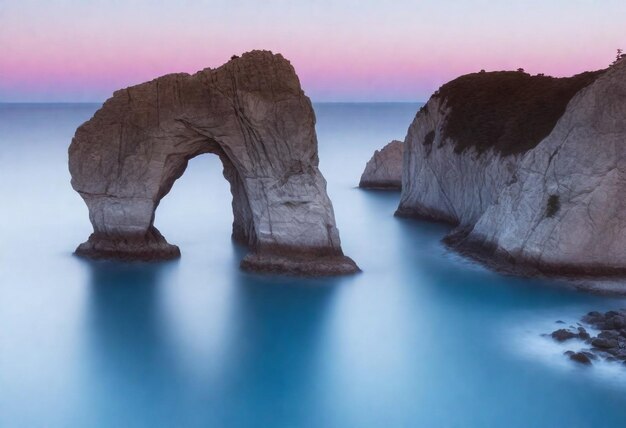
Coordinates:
[420,338]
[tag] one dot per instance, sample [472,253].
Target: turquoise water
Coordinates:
[420,338]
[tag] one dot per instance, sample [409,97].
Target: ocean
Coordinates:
[420,338]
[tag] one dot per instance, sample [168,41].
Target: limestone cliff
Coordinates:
[463,146]
[441,184]
[528,167]
[252,113]
[565,211]
[384,169]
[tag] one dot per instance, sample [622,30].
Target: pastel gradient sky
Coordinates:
[350,50]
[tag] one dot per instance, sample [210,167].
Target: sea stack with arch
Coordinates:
[253,114]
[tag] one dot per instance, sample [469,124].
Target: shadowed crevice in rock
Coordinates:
[252,114]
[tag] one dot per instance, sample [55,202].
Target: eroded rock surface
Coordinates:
[252,113]
[564,212]
[384,169]
[530,172]
[464,145]
[441,184]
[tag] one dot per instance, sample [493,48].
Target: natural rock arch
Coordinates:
[252,113]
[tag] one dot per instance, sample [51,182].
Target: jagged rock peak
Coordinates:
[384,169]
[253,114]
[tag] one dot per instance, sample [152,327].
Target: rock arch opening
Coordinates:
[253,115]
[206,189]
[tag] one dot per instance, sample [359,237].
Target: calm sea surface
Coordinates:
[422,338]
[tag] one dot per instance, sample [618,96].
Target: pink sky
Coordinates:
[70,50]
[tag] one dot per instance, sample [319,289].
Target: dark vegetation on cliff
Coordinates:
[509,111]
[429,138]
[554,204]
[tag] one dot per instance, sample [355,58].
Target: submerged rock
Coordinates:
[582,334]
[580,357]
[562,335]
[384,169]
[609,343]
[252,113]
[604,343]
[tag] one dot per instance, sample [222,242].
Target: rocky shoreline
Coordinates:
[598,279]
[609,344]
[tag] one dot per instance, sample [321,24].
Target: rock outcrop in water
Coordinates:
[529,169]
[465,144]
[565,210]
[252,113]
[609,343]
[384,169]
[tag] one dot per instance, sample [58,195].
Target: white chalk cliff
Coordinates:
[565,211]
[252,113]
[442,185]
[530,169]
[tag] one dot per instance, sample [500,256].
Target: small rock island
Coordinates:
[252,113]
[529,170]
[384,169]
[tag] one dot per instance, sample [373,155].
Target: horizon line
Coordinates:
[313,101]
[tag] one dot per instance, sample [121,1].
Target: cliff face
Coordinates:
[384,169]
[565,210]
[252,113]
[442,185]
[529,168]
[464,145]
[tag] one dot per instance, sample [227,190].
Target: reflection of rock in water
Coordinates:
[125,331]
[609,344]
[125,339]
[275,347]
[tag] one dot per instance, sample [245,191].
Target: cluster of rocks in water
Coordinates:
[609,344]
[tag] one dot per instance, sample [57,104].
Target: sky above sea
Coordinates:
[350,50]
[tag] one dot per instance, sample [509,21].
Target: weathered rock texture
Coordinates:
[464,145]
[530,169]
[564,212]
[384,169]
[441,184]
[252,113]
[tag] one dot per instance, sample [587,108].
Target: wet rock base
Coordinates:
[608,344]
